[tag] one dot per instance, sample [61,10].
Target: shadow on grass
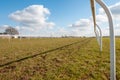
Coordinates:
[32,56]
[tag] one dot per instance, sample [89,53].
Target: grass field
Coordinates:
[56,59]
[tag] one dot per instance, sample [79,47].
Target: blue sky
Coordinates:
[60,15]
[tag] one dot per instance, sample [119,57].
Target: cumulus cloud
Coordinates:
[117,26]
[101,19]
[81,23]
[117,29]
[115,9]
[33,17]
[82,27]
[3,27]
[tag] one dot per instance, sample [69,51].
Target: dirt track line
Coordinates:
[48,51]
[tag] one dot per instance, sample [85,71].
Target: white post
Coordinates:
[112,41]
[100,33]
[97,32]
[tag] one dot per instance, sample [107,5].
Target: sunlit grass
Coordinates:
[81,61]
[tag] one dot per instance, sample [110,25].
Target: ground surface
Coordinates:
[56,59]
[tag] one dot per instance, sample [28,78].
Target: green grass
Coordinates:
[80,61]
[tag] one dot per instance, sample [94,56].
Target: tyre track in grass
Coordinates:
[45,52]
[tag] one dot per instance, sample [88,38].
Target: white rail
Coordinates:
[99,36]
[112,40]
[97,30]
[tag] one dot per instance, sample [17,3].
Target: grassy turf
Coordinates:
[80,61]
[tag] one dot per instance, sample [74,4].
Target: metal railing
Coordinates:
[112,37]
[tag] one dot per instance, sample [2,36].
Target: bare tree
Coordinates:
[11,31]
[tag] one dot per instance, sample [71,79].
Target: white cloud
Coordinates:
[34,17]
[81,23]
[115,9]
[101,19]
[83,27]
[117,29]
[117,26]
[3,27]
